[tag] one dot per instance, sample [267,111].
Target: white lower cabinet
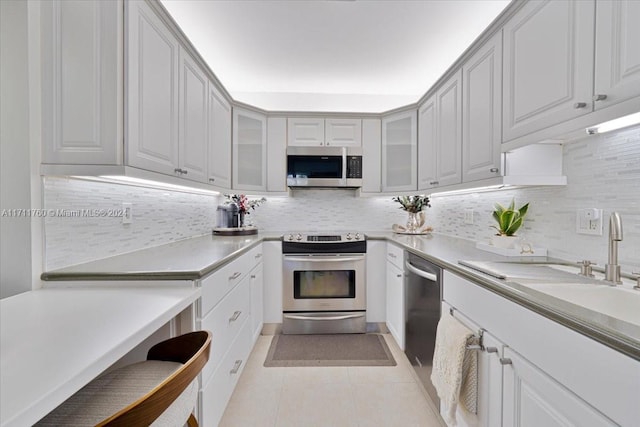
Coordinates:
[533,398]
[231,308]
[551,375]
[395,294]
[489,378]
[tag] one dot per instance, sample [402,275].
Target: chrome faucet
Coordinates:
[612,269]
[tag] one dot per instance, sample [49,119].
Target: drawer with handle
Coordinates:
[225,320]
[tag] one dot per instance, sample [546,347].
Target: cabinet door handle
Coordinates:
[392,255]
[212,179]
[235,275]
[433,183]
[258,256]
[184,171]
[398,275]
[599,97]
[579,105]
[505,361]
[253,276]
[492,350]
[494,170]
[235,316]
[177,170]
[236,367]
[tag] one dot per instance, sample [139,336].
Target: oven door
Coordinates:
[324,282]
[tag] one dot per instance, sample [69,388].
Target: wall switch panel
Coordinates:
[127,215]
[589,221]
[468,216]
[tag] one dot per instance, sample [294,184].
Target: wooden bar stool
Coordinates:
[161,391]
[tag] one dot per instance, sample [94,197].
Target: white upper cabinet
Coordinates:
[399,150]
[313,132]
[193,123]
[82,82]
[548,65]
[482,115]
[343,132]
[277,154]
[427,143]
[152,96]
[305,132]
[371,155]
[219,131]
[440,143]
[249,150]
[617,52]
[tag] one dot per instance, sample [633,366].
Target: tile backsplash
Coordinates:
[159,216]
[603,172]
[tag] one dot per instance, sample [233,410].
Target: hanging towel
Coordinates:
[454,378]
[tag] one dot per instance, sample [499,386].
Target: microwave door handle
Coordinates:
[323,259]
[424,274]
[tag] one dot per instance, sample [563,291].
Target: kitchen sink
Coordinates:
[561,280]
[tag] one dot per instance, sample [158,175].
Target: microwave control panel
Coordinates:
[354,167]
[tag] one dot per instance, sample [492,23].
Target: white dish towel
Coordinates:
[455,369]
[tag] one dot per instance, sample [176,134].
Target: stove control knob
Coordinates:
[299,236]
[357,236]
[290,237]
[349,236]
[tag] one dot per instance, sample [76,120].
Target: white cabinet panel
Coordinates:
[617,73]
[152,95]
[277,154]
[399,151]
[395,303]
[219,144]
[449,131]
[305,132]
[249,150]
[427,143]
[272,265]
[343,132]
[257,301]
[371,155]
[194,88]
[532,398]
[548,65]
[82,82]
[482,115]
[376,282]
[440,136]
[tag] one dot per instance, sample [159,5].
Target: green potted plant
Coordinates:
[509,220]
[413,205]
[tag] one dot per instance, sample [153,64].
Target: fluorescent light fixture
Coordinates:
[128,180]
[619,123]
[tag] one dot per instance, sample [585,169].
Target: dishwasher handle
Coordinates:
[424,274]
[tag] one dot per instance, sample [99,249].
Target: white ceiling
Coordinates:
[329,55]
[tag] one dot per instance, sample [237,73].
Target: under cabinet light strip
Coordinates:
[619,123]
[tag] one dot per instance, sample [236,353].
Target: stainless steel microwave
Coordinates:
[324,166]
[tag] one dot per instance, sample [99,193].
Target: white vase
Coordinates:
[504,242]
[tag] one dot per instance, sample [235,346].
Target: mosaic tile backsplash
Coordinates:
[603,172]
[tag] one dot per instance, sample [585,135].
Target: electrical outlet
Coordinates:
[468,216]
[589,221]
[127,215]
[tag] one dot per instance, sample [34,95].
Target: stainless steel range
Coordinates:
[324,283]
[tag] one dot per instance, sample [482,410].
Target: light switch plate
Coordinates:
[589,221]
[468,216]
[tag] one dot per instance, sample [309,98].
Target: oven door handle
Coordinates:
[323,259]
[344,317]
[424,274]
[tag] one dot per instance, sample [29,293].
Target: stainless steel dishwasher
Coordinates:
[423,294]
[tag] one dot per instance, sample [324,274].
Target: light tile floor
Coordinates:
[385,396]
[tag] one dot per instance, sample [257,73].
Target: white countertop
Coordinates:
[55,341]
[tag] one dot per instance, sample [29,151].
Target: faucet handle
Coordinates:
[585,268]
[637,276]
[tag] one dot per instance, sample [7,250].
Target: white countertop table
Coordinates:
[54,341]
